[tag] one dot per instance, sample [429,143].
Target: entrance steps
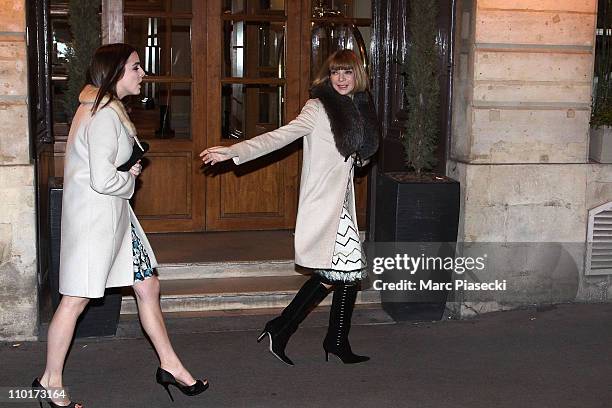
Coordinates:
[225,286]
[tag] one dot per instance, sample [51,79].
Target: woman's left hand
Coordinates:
[217,154]
[136,169]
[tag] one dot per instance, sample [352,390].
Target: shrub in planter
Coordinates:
[417,206]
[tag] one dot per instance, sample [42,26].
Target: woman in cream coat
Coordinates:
[103,244]
[96,245]
[339,129]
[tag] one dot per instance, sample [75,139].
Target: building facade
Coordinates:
[520,142]
[523,73]
[18,258]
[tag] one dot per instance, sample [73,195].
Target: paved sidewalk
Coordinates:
[551,359]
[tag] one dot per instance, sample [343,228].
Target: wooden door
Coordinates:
[169,114]
[253,87]
[219,72]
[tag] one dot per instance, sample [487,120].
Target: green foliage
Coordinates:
[84,21]
[421,87]
[601,112]
[602,116]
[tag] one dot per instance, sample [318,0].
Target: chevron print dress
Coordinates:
[348,259]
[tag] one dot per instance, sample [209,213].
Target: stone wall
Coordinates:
[18,286]
[521,113]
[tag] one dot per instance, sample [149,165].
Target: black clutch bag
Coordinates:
[137,154]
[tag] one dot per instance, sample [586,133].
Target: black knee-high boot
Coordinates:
[280,329]
[336,342]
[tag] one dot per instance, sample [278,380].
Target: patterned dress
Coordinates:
[140,258]
[348,259]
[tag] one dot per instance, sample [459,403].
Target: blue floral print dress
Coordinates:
[141,261]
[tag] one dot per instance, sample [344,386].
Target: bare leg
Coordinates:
[59,338]
[152,320]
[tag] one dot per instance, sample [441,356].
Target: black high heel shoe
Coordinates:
[36,385]
[165,379]
[336,342]
[278,342]
[346,356]
[266,330]
[280,329]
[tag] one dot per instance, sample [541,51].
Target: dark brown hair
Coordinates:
[106,69]
[344,59]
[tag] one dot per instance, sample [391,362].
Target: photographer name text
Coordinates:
[407,285]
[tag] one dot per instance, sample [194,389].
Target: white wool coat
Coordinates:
[96,244]
[324,180]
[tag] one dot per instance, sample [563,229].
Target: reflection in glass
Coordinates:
[180,64]
[250,110]
[162,53]
[328,37]
[152,50]
[61,38]
[253,49]
[233,50]
[165,114]
[271,46]
[148,36]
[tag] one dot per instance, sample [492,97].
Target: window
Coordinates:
[161,32]
[253,67]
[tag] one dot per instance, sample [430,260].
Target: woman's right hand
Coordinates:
[136,169]
[216,154]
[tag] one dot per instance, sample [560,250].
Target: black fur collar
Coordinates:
[353,121]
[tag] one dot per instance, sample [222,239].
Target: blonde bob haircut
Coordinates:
[345,60]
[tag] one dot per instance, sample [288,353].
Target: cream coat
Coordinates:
[96,246]
[325,175]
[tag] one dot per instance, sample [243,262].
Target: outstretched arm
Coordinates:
[216,154]
[268,142]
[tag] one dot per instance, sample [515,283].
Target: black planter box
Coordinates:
[101,316]
[424,213]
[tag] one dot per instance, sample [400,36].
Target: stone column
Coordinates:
[521,110]
[18,286]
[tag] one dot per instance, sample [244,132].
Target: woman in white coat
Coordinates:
[102,242]
[340,130]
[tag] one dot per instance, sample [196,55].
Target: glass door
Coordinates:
[255,89]
[170,38]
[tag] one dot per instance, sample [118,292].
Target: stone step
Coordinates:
[215,270]
[244,320]
[210,294]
